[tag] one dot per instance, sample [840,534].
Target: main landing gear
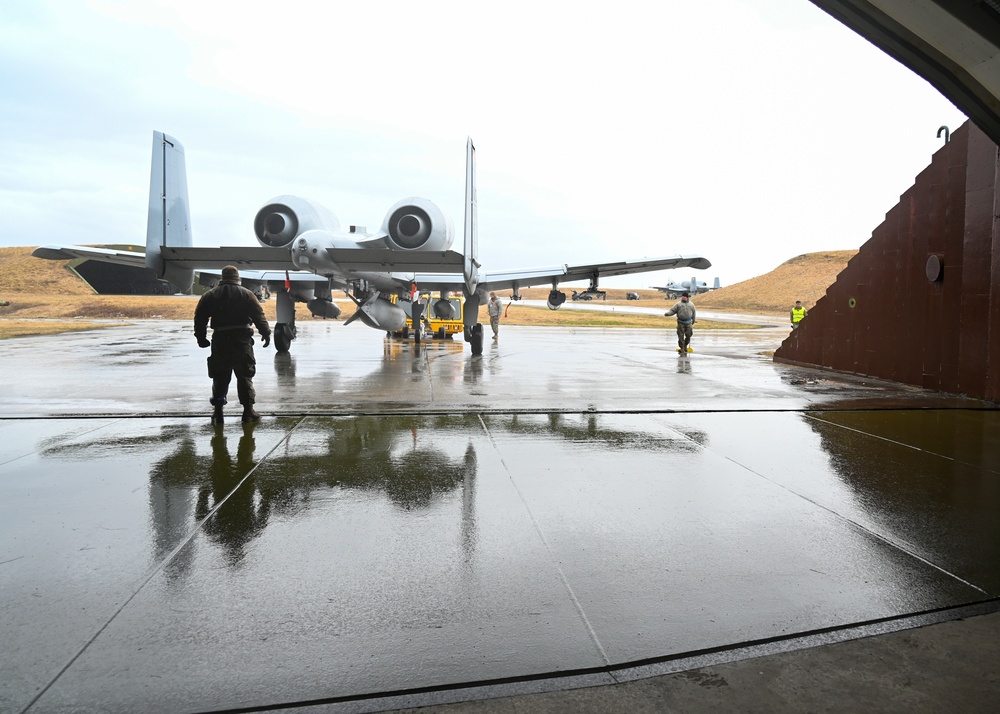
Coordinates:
[474,336]
[284,328]
[283,336]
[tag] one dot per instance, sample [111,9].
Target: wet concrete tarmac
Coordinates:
[406,519]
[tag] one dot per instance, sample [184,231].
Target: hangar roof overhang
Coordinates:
[953,44]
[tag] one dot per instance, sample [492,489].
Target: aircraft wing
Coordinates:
[70,252]
[508,279]
[252,257]
[249,257]
[527,277]
[273,276]
[374,260]
[351,260]
[627,267]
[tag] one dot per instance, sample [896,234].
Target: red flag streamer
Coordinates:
[288,282]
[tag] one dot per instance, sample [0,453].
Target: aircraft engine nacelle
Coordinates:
[555,300]
[323,308]
[283,218]
[417,224]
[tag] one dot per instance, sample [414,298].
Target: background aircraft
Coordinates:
[691,287]
[304,255]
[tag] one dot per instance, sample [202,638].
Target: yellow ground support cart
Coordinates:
[442,316]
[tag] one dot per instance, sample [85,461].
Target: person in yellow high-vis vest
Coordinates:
[798,313]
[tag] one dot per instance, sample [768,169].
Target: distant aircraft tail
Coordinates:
[716,285]
[169,219]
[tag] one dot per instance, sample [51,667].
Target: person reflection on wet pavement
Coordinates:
[227,498]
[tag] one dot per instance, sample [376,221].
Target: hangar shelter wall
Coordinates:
[920,302]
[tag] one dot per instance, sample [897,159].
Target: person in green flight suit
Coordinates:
[686,312]
[233,311]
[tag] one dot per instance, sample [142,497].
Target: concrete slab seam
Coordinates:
[878,536]
[156,569]
[894,442]
[538,529]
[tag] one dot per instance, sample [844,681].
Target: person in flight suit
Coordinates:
[685,312]
[495,308]
[233,311]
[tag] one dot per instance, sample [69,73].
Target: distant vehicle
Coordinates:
[691,287]
[590,294]
[631,296]
[442,317]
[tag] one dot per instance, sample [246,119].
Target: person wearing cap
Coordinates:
[797,314]
[233,311]
[495,308]
[685,312]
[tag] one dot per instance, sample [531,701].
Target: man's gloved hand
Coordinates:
[203,342]
[265,340]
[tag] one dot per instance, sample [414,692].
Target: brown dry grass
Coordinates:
[20,273]
[543,317]
[804,277]
[48,289]
[26,328]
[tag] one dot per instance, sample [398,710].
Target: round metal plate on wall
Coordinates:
[934,268]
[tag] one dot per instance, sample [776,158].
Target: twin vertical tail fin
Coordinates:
[169,219]
[470,269]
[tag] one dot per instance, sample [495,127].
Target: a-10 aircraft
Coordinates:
[304,256]
[692,287]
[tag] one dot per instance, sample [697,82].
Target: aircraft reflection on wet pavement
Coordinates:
[909,476]
[410,461]
[401,459]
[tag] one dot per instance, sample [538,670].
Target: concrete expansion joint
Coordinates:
[624,673]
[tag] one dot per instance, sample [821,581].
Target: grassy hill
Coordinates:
[20,274]
[804,277]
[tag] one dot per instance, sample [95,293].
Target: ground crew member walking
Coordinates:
[234,311]
[685,312]
[495,307]
[798,312]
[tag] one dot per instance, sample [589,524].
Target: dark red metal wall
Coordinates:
[888,316]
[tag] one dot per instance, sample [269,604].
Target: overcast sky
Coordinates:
[747,131]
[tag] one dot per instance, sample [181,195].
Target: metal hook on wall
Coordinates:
[947,134]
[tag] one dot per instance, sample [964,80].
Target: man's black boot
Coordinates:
[218,403]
